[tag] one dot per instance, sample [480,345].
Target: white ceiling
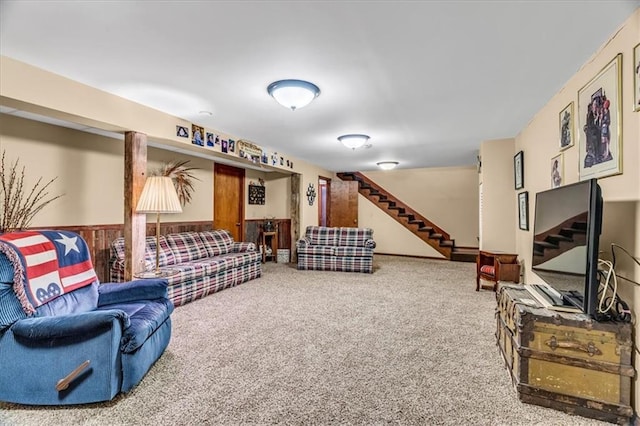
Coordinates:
[427,80]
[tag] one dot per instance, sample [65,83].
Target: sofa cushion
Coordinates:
[317,250]
[488,270]
[83,299]
[217,242]
[322,235]
[166,255]
[145,317]
[185,272]
[355,237]
[214,265]
[186,246]
[350,251]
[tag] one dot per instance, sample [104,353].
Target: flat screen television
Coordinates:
[566,235]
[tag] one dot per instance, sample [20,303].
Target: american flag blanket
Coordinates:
[47,264]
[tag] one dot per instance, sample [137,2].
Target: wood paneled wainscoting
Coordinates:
[99,237]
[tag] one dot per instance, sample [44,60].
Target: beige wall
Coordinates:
[389,235]
[498,211]
[539,140]
[446,196]
[89,170]
[621,193]
[201,206]
[277,195]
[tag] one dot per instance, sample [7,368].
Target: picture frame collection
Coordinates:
[597,131]
[256,154]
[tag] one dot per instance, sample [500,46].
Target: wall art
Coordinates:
[600,123]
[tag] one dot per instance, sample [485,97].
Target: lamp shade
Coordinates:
[353,141]
[159,196]
[293,94]
[387,165]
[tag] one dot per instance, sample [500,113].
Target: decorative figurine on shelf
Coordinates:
[311,194]
[267,225]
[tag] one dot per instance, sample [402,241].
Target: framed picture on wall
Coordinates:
[636,77]
[523,210]
[600,123]
[557,171]
[566,127]
[518,170]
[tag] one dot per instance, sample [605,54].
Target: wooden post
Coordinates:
[135,170]
[295,214]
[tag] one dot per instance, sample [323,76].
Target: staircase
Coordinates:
[560,239]
[413,221]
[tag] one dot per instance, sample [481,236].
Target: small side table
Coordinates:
[270,239]
[497,266]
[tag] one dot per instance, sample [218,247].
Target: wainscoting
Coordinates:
[99,237]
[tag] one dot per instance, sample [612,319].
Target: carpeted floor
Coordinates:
[411,344]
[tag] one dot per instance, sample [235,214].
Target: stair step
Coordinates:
[572,231]
[416,222]
[555,238]
[545,244]
[435,236]
[446,243]
[425,229]
[405,215]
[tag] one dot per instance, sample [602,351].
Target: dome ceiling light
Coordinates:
[293,94]
[353,141]
[387,165]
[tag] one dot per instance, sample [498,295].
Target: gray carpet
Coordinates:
[411,344]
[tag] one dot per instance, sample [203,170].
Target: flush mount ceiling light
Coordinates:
[387,165]
[353,141]
[293,94]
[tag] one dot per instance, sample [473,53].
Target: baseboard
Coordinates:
[412,256]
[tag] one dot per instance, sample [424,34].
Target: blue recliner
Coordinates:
[65,338]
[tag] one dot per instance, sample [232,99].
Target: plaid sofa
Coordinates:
[205,262]
[336,249]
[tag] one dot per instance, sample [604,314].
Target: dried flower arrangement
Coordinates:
[18,206]
[182,177]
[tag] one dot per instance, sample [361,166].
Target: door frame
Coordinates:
[327,204]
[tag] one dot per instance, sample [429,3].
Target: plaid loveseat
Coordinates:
[205,262]
[336,249]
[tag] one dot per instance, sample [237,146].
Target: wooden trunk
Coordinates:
[565,361]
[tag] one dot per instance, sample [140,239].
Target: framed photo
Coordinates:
[600,123]
[198,135]
[182,132]
[636,77]
[211,140]
[523,210]
[566,127]
[557,171]
[518,170]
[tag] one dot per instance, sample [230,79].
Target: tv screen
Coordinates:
[566,235]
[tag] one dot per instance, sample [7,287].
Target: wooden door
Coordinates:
[228,199]
[343,209]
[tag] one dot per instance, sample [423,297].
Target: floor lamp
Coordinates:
[158,196]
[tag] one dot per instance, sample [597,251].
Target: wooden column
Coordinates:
[135,170]
[295,214]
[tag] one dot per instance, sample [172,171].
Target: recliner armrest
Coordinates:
[132,291]
[68,325]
